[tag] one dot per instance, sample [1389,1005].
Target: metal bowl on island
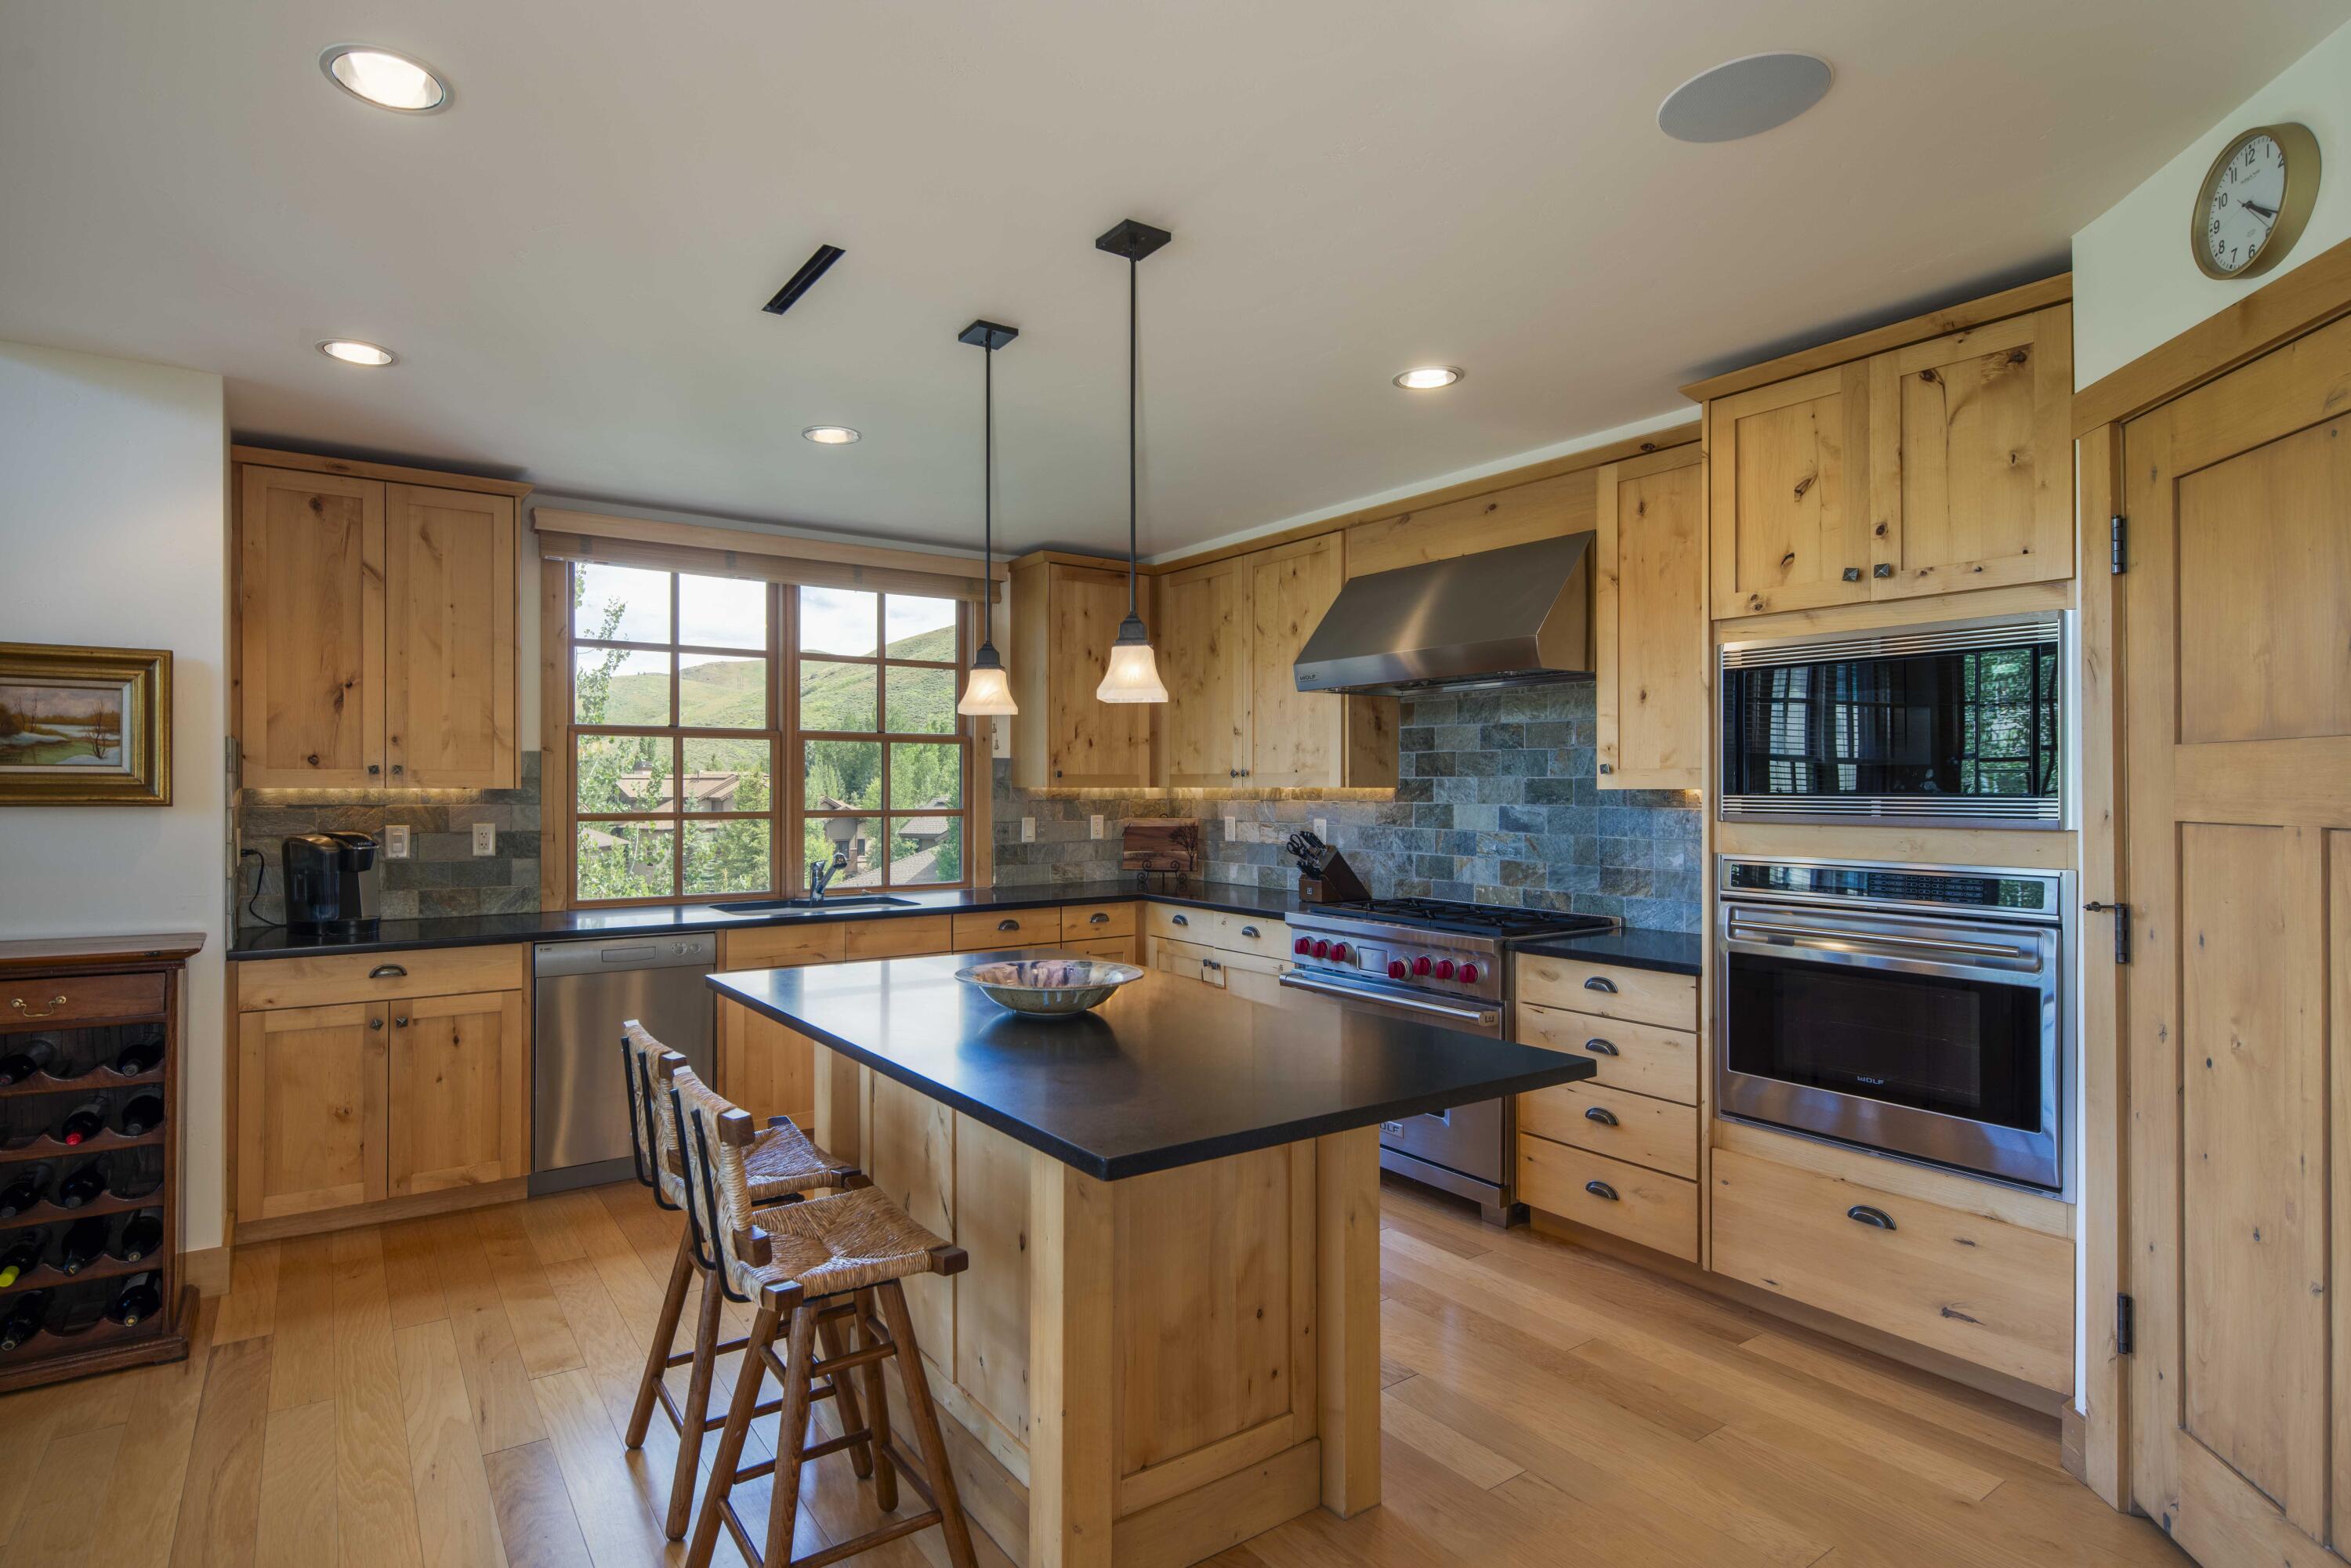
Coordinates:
[1048,987]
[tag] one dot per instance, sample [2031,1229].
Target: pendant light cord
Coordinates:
[987,498]
[1134,353]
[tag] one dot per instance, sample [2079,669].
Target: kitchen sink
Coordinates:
[811,905]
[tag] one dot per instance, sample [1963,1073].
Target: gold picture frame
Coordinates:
[85,727]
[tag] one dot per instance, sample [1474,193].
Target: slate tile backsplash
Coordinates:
[442,875]
[1497,802]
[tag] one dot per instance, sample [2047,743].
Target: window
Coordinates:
[684,694]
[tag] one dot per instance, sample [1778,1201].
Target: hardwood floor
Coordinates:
[450,1391]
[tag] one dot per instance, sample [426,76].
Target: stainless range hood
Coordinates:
[1516,616]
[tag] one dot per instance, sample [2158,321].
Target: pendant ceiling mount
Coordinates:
[988,689]
[1134,672]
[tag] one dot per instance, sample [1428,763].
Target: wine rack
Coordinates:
[73,1014]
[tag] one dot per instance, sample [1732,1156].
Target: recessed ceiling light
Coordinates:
[1743,97]
[352,351]
[383,78]
[832,435]
[1428,378]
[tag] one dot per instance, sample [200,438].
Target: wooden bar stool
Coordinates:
[781,1166]
[811,1265]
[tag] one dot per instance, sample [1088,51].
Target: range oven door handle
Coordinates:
[1480,1017]
[1861,942]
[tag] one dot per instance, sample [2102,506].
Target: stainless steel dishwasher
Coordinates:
[586,991]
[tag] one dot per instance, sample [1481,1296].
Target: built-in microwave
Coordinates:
[1961,723]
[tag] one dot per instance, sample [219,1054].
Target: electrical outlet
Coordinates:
[1028,829]
[486,839]
[395,841]
[1322,829]
[1097,822]
[1232,830]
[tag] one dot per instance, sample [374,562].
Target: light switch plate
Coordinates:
[1232,834]
[1028,829]
[395,841]
[1322,829]
[486,839]
[1097,822]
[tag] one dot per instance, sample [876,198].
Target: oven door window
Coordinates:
[1962,1048]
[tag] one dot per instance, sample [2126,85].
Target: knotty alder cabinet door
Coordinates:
[1652,654]
[458,1077]
[1791,478]
[310,1108]
[449,638]
[1064,619]
[1205,634]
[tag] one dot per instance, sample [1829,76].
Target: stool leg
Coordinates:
[731,1436]
[926,1417]
[877,1402]
[681,1273]
[791,1436]
[696,1410]
[845,1400]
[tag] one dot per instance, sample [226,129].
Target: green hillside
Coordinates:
[726,694]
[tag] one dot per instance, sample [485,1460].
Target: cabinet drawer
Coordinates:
[897,939]
[1659,1063]
[1644,995]
[1658,1133]
[1215,928]
[81,998]
[782,947]
[1993,1293]
[1121,948]
[325,980]
[1659,1212]
[1091,922]
[984,930]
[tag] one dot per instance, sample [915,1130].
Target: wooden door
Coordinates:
[1203,637]
[309,615]
[1652,652]
[1972,472]
[1092,743]
[1296,738]
[459,1088]
[449,639]
[2236,681]
[310,1109]
[1791,493]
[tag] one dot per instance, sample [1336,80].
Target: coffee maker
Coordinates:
[333,886]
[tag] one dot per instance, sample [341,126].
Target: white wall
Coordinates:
[2134,284]
[113,532]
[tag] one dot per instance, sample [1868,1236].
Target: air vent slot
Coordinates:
[800,282]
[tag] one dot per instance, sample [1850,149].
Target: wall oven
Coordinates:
[1914,1010]
[1961,723]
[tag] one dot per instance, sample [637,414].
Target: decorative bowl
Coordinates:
[1048,987]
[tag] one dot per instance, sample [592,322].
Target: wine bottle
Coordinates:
[80,1185]
[83,1122]
[140,1058]
[22,1193]
[141,1234]
[33,1056]
[25,1314]
[135,1301]
[18,1259]
[141,1114]
[84,1242]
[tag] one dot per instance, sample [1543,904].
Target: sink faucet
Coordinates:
[820,873]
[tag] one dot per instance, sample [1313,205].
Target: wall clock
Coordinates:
[2255,199]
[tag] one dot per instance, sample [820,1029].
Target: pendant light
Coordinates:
[1134,672]
[989,690]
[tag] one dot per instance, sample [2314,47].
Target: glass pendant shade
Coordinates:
[988,691]
[1134,672]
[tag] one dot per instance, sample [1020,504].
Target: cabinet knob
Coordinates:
[1853,574]
[375,767]
[1607,767]
[401,1022]
[375,1023]
[397,770]
[1600,1114]
[1882,568]
[1877,1217]
[1601,1189]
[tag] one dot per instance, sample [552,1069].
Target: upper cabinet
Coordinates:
[1065,617]
[1650,645]
[1928,457]
[375,633]
[1204,633]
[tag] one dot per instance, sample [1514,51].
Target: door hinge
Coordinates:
[2125,1328]
[2121,912]
[2118,544]
[228,747]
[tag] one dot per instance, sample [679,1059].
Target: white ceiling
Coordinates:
[570,260]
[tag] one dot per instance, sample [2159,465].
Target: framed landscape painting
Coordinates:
[85,727]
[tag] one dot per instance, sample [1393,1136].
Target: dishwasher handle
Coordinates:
[694,951]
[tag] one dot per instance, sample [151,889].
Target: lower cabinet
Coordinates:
[1642,1205]
[459,1102]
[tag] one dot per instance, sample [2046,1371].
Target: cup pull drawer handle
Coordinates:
[1182,920]
[1600,983]
[1600,1047]
[387,972]
[55,1003]
[1601,1189]
[1868,1216]
[1600,1114]
[1251,931]
[1007,926]
[1099,917]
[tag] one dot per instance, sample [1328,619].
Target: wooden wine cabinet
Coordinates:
[91,998]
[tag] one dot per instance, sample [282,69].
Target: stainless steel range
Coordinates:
[1445,963]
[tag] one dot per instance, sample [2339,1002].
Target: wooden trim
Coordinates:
[98,955]
[206,1271]
[443,478]
[1347,1309]
[384,1211]
[1960,604]
[555,805]
[963,575]
[1072,1368]
[1149,1487]
[1200,1524]
[2248,326]
[2041,850]
[2018,301]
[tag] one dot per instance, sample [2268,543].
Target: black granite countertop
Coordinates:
[490,930]
[1671,952]
[1166,1072]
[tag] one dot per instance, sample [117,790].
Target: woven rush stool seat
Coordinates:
[781,1166]
[811,1267]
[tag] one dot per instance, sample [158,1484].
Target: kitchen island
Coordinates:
[1167,1339]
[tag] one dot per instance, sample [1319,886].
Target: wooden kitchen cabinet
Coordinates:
[1295,737]
[457,1112]
[310,1109]
[1791,493]
[375,628]
[1651,649]
[1064,619]
[1205,635]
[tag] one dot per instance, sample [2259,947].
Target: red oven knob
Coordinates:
[1468,974]
[1339,952]
[1303,944]
[1322,948]
[1420,964]
[1445,968]
[1396,971]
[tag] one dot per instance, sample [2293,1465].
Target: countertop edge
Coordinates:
[1663,952]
